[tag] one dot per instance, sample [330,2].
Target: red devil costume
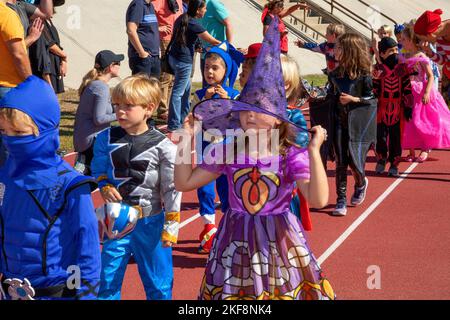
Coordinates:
[395,102]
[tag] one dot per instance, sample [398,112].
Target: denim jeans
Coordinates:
[3,154]
[150,66]
[179,100]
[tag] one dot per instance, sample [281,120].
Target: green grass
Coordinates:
[69,102]
[316,79]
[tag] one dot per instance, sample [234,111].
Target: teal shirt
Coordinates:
[213,20]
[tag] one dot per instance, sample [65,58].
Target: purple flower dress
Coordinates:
[260,251]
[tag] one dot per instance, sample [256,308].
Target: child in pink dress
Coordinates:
[429,127]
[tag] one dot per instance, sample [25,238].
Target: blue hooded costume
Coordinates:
[48,228]
[206,194]
[233,59]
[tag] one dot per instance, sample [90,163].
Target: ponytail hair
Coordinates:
[180,33]
[92,75]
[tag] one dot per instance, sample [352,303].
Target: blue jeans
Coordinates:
[206,195]
[179,100]
[150,66]
[3,153]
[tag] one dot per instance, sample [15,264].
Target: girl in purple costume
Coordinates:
[260,251]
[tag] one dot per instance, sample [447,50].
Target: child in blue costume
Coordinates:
[134,165]
[48,228]
[221,68]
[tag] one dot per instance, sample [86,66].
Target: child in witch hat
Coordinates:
[267,254]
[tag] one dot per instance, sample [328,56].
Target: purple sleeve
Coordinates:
[298,163]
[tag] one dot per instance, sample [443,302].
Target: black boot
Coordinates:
[341,191]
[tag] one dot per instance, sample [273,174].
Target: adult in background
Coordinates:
[143,38]
[218,23]
[57,55]
[95,112]
[31,17]
[14,62]
[167,11]
[187,30]
[275,8]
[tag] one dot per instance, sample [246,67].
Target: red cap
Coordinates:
[253,50]
[428,22]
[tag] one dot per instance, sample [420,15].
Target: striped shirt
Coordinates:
[327,49]
[442,56]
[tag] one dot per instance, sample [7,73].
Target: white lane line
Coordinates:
[365,214]
[187,221]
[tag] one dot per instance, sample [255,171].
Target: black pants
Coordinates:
[344,160]
[150,66]
[389,140]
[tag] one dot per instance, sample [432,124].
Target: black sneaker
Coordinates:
[393,171]
[381,166]
[360,193]
[341,208]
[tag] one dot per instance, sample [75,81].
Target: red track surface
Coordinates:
[407,237]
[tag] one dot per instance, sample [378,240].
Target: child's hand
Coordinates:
[302,5]
[319,135]
[375,42]
[191,126]
[110,194]
[210,92]
[165,29]
[244,51]
[346,99]
[167,244]
[376,73]
[221,92]
[426,98]
[425,47]
[299,43]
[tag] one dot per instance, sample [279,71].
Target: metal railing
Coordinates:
[311,34]
[334,5]
[378,11]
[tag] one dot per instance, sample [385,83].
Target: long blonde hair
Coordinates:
[92,75]
[355,61]
[292,79]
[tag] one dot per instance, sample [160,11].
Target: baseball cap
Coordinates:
[253,51]
[106,57]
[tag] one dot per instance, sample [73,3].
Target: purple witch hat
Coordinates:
[264,91]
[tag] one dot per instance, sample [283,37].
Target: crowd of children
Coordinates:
[383,99]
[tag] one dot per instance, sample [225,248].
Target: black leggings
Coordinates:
[343,161]
[389,142]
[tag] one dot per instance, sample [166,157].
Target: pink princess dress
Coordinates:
[429,127]
[260,251]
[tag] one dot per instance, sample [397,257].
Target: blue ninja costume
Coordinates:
[48,228]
